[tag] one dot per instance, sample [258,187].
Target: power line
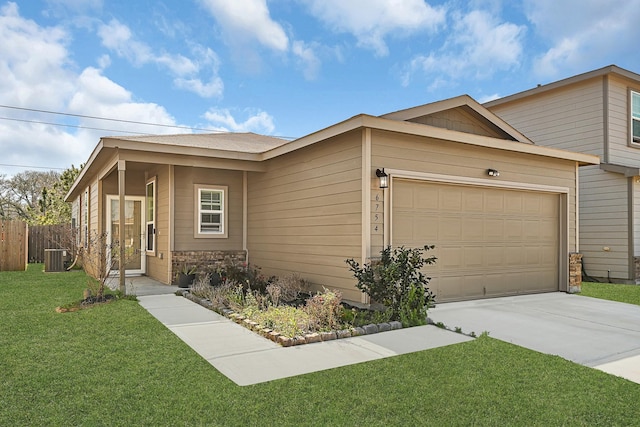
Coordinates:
[30,167]
[72,126]
[106,118]
[35,110]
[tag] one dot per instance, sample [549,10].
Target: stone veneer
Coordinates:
[575,273]
[205,260]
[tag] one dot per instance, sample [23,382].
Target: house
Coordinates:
[501,210]
[597,113]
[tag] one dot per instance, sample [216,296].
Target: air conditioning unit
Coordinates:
[54,260]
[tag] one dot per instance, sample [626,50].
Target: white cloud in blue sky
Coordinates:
[282,67]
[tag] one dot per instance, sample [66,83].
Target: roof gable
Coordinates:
[462,114]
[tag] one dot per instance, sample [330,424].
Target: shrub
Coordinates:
[325,310]
[249,276]
[396,281]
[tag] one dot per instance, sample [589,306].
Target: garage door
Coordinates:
[489,241]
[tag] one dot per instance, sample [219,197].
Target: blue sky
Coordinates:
[277,67]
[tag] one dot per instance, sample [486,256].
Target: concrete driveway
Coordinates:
[589,331]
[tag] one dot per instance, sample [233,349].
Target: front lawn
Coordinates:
[116,365]
[614,292]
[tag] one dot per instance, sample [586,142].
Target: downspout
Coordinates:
[631,225]
[365,177]
[605,122]
[245,222]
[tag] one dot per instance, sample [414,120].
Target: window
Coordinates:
[210,211]
[635,116]
[151,216]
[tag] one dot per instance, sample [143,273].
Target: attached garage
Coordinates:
[490,241]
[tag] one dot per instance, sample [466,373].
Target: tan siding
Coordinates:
[185,178]
[93,208]
[157,266]
[621,151]
[461,120]
[571,118]
[416,154]
[305,213]
[603,222]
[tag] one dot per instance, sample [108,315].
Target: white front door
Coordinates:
[135,258]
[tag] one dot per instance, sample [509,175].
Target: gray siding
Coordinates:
[621,151]
[571,118]
[604,223]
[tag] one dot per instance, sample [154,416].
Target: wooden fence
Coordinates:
[13,245]
[43,237]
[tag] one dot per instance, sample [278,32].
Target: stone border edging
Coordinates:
[284,341]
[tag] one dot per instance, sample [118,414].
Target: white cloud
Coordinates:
[37,73]
[371,21]
[223,120]
[119,38]
[34,62]
[478,46]
[583,34]
[307,58]
[245,21]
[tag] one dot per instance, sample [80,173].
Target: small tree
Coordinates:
[396,281]
[98,256]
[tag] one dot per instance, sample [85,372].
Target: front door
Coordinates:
[134,234]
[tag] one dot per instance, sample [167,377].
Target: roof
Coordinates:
[610,69]
[251,149]
[247,142]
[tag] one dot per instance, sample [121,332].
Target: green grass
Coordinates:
[620,293]
[116,365]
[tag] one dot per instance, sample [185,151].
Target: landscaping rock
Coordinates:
[370,329]
[312,338]
[327,336]
[273,336]
[384,327]
[285,341]
[299,339]
[358,331]
[265,332]
[395,325]
[345,333]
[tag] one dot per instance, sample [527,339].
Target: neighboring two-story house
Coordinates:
[597,113]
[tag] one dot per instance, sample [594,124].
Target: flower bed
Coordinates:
[304,338]
[286,311]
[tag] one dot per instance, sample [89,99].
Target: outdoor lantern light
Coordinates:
[493,172]
[384,178]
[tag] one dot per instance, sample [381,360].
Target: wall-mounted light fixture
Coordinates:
[384,178]
[493,172]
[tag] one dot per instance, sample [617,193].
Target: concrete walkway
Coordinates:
[601,334]
[247,358]
[593,332]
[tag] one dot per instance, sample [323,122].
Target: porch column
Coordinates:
[121,219]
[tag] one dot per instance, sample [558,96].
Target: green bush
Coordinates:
[396,281]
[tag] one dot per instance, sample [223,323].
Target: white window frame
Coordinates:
[197,224]
[151,221]
[635,140]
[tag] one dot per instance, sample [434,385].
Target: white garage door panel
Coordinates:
[489,241]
